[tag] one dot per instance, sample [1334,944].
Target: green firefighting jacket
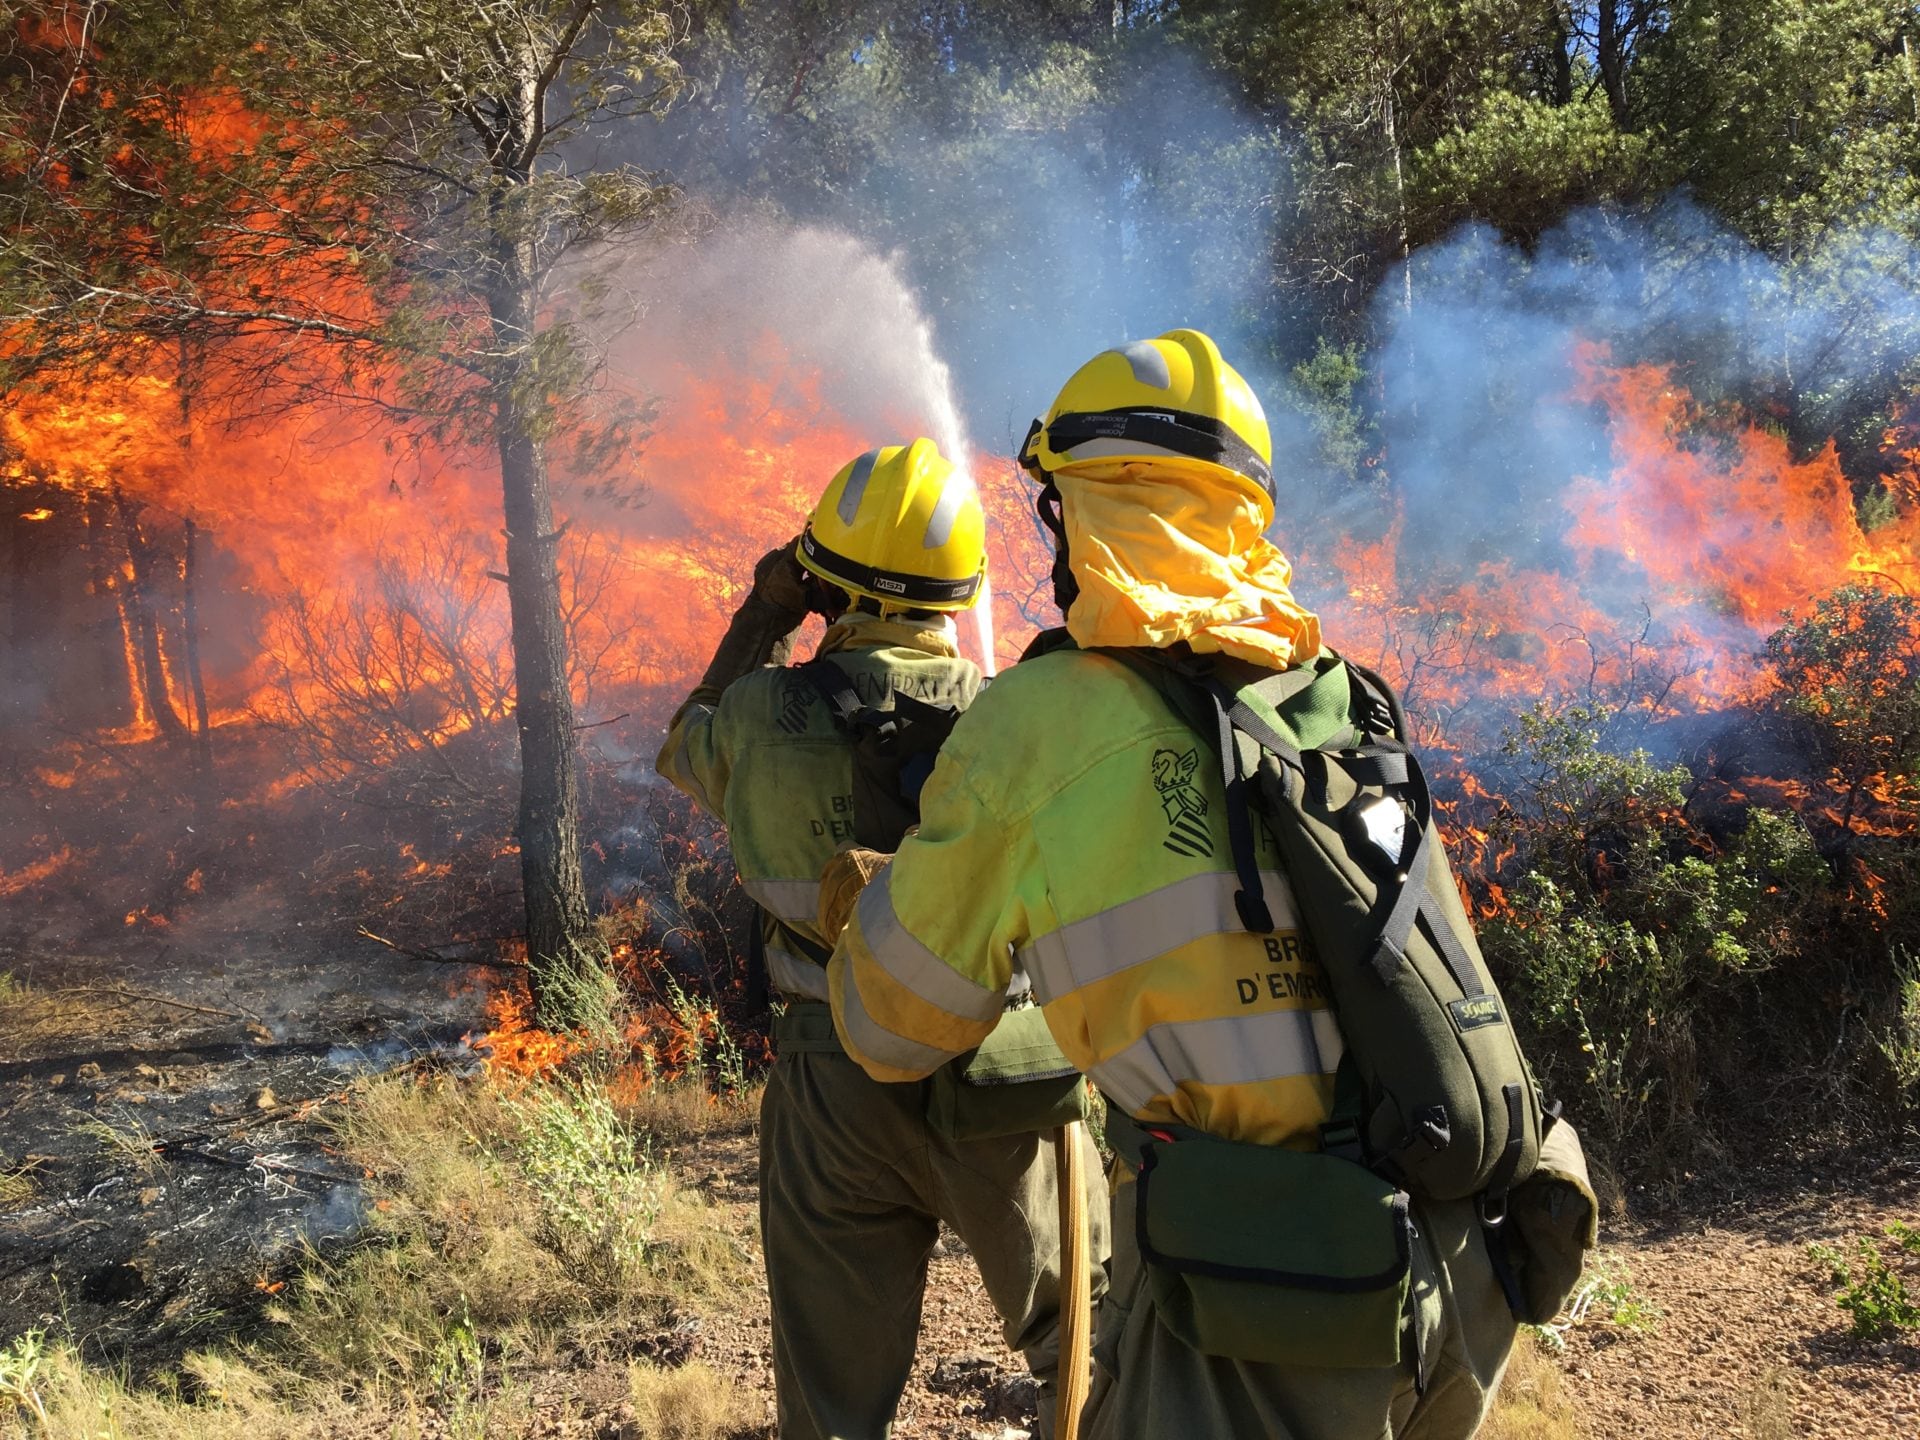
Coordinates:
[1074,827]
[767,761]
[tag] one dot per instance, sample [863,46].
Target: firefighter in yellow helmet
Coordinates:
[1077,828]
[854,1182]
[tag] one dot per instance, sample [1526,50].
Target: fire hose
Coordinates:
[1076,1285]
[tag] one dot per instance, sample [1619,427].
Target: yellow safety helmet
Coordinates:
[1172,401]
[900,525]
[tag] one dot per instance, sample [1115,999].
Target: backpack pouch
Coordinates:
[1016,1083]
[1278,1256]
[1553,1220]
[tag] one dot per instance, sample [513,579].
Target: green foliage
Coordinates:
[1628,927]
[1522,162]
[1878,510]
[600,1194]
[1899,1041]
[1327,384]
[714,1057]
[1606,1295]
[1872,1293]
[20,1362]
[1788,117]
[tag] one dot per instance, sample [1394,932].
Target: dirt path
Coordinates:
[1741,1336]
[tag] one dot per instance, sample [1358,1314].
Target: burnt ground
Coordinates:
[166,1163]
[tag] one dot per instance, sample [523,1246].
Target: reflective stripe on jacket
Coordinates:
[1074,826]
[768,762]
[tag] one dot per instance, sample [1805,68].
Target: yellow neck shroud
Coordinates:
[1164,556]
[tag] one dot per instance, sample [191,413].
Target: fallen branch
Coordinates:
[434,957]
[180,1150]
[120,992]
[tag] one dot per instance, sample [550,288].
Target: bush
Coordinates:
[1626,924]
[1872,1293]
[1849,676]
[599,1193]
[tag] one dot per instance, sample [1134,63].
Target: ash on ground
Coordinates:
[164,1148]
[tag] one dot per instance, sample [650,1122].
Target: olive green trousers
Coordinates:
[1149,1385]
[853,1187]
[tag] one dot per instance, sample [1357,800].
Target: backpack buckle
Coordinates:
[1492,1208]
[1341,1138]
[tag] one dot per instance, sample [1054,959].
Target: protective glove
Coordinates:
[780,580]
[761,632]
[844,877]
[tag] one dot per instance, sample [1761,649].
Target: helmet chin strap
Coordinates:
[1066,589]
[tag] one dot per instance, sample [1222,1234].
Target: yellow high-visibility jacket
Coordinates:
[1074,827]
[767,761]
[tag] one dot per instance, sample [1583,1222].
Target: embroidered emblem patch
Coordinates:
[1186,807]
[795,696]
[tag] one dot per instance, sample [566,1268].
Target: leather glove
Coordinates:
[845,876]
[782,581]
[761,632]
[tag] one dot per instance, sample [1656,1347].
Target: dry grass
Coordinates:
[58,1396]
[486,1262]
[17,1185]
[1767,1409]
[691,1403]
[123,1139]
[465,1230]
[34,1021]
[682,1113]
[1533,1403]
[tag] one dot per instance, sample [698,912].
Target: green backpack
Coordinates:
[1445,1104]
[893,752]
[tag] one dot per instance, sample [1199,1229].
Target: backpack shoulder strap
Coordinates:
[1375,706]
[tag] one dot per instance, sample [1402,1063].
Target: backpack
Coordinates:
[1016,1081]
[1434,1092]
[893,753]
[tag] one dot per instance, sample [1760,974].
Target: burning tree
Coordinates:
[383,203]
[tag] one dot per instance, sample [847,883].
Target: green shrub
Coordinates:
[1899,1041]
[600,1193]
[1870,1290]
[1626,924]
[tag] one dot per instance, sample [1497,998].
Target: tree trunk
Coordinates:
[146,623]
[196,684]
[1562,54]
[189,598]
[110,631]
[1612,47]
[566,959]
[13,703]
[1389,56]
